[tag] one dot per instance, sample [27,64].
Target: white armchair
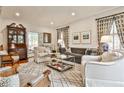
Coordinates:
[102,74]
[41,54]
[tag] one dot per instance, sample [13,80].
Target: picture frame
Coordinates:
[76,37]
[46,37]
[86,37]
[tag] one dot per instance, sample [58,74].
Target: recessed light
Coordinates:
[51,23]
[17,14]
[73,14]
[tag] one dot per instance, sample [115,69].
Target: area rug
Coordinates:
[69,78]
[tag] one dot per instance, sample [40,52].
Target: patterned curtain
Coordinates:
[40,40]
[119,21]
[63,30]
[103,28]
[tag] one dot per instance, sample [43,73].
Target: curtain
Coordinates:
[40,40]
[103,28]
[119,21]
[63,31]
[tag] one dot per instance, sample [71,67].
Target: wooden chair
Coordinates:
[6,59]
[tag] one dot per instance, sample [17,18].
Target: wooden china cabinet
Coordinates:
[16,35]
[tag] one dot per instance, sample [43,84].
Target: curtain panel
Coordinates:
[119,21]
[63,30]
[103,28]
[40,39]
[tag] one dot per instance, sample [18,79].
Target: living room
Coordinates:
[61,46]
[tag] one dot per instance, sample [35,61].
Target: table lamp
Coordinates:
[105,40]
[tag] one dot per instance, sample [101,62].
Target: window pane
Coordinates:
[115,43]
[33,40]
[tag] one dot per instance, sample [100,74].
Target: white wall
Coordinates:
[87,24]
[5,22]
[80,26]
[0,32]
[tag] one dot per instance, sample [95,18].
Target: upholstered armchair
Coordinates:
[41,54]
[97,72]
[6,58]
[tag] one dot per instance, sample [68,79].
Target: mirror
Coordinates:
[46,37]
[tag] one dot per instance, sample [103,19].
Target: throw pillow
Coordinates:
[108,56]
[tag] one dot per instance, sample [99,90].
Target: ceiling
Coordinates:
[43,15]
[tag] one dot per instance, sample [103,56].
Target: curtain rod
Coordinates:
[62,27]
[110,15]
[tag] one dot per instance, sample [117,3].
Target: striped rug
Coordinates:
[69,78]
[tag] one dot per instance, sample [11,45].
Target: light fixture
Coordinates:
[51,23]
[17,14]
[73,14]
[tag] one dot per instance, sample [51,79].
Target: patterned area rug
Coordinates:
[69,78]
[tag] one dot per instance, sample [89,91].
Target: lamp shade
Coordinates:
[106,39]
[12,46]
[59,41]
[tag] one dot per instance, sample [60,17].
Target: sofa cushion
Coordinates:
[4,69]
[3,52]
[109,56]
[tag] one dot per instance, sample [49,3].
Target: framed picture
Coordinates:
[46,37]
[86,37]
[76,37]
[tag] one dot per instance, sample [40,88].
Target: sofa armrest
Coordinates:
[88,58]
[104,71]
[100,63]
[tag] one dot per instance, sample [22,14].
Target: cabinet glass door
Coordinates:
[12,36]
[20,36]
[20,39]
[14,40]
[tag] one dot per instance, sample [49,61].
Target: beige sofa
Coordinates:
[41,54]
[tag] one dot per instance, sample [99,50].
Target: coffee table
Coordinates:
[60,65]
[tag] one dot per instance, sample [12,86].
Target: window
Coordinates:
[115,41]
[33,40]
[61,40]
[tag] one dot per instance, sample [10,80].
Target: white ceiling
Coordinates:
[43,15]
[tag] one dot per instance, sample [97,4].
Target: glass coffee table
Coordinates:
[60,65]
